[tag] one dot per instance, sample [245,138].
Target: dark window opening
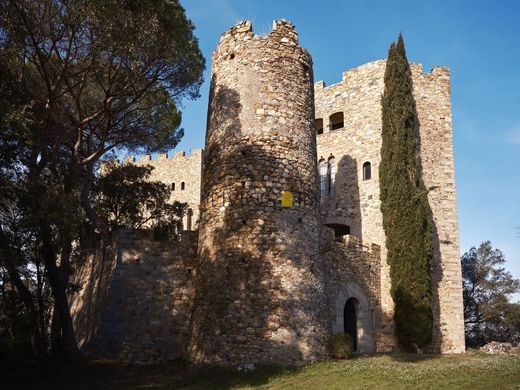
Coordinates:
[173,186]
[318,124]
[189,216]
[336,121]
[367,171]
[350,320]
[332,175]
[327,174]
[340,230]
[324,168]
[183,186]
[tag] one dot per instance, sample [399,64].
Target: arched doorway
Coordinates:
[350,320]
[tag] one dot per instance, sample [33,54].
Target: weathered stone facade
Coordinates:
[271,283]
[356,203]
[135,300]
[182,173]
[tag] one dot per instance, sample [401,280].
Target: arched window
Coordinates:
[324,169]
[332,175]
[327,171]
[318,123]
[367,171]
[336,121]
[173,186]
[183,186]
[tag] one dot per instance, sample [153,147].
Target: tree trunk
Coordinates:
[58,279]
[87,207]
[38,341]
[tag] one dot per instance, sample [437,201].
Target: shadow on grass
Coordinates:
[225,378]
[413,357]
[102,375]
[175,375]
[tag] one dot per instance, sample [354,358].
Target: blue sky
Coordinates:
[478,40]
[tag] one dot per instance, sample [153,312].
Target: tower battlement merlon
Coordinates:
[181,154]
[243,31]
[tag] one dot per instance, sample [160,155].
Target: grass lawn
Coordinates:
[400,371]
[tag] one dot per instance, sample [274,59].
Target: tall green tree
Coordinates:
[407,217]
[97,76]
[487,287]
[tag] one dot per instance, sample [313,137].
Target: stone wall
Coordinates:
[356,202]
[433,102]
[134,305]
[92,278]
[260,290]
[176,170]
[353,271]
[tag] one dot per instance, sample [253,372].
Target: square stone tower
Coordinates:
[348,126]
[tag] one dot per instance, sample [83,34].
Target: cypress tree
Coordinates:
[407,217]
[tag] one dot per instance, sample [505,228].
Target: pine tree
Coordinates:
[407,217]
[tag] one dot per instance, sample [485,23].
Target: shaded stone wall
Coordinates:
[93,278]
[433,102]
[181,168]
[135,304]
[260,294]
[353,271]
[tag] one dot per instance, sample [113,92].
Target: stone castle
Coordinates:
[284,243]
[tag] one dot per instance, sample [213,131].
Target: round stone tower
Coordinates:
[259,284]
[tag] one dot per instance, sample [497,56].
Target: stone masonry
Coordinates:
[260,288]
[182,173]
[135,298]
[266,283]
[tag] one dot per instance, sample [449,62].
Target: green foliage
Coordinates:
[103,74]
[126,198]
[340,346]
[487,286]
[78,80]
[407,218]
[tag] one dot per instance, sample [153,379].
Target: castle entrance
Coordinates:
[350,320]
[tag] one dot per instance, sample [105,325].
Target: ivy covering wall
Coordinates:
[407,217]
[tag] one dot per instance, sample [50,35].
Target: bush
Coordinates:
[341,346]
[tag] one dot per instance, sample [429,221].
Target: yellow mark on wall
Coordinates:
[287,199]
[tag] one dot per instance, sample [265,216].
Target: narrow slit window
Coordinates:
[367,171]
[318,123]
[173,186]
[332,175]
[183,186]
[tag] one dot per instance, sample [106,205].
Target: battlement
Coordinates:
[179,155]
[244,31]
[437,72]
